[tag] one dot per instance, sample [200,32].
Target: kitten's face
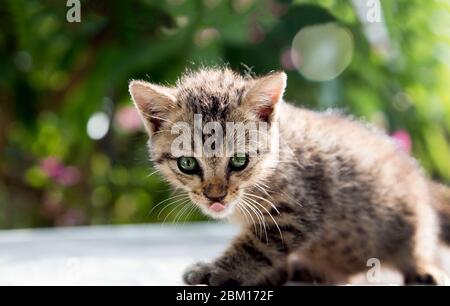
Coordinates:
[217,184]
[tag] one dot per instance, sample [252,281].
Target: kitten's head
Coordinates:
[218,183]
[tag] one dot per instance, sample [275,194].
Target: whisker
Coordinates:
[263,190]
[270,215]
[159,118]
[260,217]
[171,204]
[242,212]
[156,171]
[182,211]
[189,214]
[260,232]
[165,200]
[261,198]
[249,213]
[175,208]
[162,131]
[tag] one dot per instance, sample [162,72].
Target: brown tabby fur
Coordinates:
[339,193]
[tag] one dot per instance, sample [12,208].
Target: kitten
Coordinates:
[336,194]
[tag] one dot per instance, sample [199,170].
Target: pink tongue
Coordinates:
[217,207]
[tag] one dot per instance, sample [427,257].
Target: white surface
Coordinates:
[121,255]
[127,255]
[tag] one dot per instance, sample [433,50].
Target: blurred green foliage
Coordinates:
[54,75]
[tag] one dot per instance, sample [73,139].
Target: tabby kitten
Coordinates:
[334,195]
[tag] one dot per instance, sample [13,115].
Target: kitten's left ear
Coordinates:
[265,95]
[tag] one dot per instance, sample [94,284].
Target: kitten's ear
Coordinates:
[153,103]
[265,95]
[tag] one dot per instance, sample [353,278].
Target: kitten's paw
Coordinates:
[208,274]
[430,276]
[197,274]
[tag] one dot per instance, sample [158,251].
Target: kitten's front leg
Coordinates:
[249,261]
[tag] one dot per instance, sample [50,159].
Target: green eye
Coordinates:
[238,162]
[188,165]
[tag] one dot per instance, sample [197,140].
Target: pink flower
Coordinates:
[127,118]
[403,140]
[69,177]
[256,34]
[278,9]
[64,175]
[286,59]
[52,166]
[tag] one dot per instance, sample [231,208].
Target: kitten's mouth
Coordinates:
[217,207]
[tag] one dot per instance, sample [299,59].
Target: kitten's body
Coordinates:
[357,196]
[338,194]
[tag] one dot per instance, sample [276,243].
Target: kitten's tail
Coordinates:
[441,194]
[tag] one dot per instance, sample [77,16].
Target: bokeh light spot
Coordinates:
[23,61]
[206,36]
[127,119]
[241,6]
[325,51]
[98,126]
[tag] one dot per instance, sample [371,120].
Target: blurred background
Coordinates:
[72,149]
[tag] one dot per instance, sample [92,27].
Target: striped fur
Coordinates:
[338,194]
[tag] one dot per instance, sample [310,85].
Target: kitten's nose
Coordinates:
[215,193]
[215,199]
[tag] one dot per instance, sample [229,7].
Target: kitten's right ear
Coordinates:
[153,103]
